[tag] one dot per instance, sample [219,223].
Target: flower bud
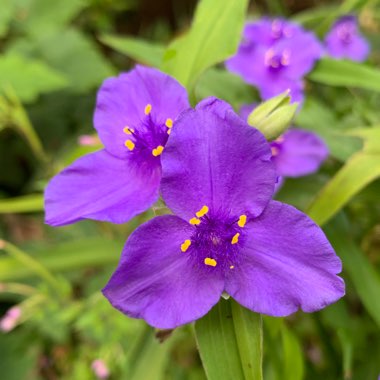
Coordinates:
[273,117]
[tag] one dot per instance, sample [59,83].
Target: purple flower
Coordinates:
[298,153]
[274,56]
[133,117]
[345,41]
[226,235]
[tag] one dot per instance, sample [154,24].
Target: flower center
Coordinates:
[275,61]
[147,139]
[346,33]
[216,239]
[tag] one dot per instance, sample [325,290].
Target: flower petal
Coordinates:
[121,102]
[102,187]
[301,153]
[157,282]
[286,263]
[214,158]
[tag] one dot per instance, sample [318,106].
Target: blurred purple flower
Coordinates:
[134,116]
[345,41]
[274,56]
[296,153]
[226,235]
[100,369]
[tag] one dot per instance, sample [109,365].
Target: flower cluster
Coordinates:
[274,56]
[217,175]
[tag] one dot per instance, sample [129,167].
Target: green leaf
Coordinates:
[360,170]
[319,118]
[26,203]
[7,8]
[136,48]
[346,73]
[73,255]
[214,82]
[46,16]
[28,77]
[293,358]
[213,37]
[229,338]
[77,57]
[363,275]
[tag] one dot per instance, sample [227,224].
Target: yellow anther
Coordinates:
[232,267]
[242,220]
[210,262]
[148,109]
[169,123]
[194,221]
[128,131]
[235,238]
[169,131]
[157,151]
[202,212]
[274,151]
[130,144]
[185,245]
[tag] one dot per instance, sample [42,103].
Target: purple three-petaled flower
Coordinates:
[274,56]
[296,153]
[134,116]
[345,41]
[226,235]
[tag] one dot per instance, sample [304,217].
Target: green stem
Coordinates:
[31,263]
[230,342]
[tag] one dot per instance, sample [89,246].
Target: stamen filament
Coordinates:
[210,262]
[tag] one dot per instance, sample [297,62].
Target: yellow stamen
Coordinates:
[235,238]
[157,151]
[274,151]
[169,123]
[242,220]
[210,262]
[185,245]
[148,109]
[194,221]
[232,267]
[169,131]
[128,131]
[202,212]
[130,144]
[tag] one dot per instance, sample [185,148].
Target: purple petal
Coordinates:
[299,153]
[122,100]
[214,158]
[102,187]
[246,109]
[286,263]
[156,281]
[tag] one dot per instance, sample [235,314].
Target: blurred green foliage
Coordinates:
[53,57]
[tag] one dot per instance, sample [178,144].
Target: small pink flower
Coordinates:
[100,369]
[88,140]
[9,321]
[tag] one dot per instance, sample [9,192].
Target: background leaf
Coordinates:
[213,37]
